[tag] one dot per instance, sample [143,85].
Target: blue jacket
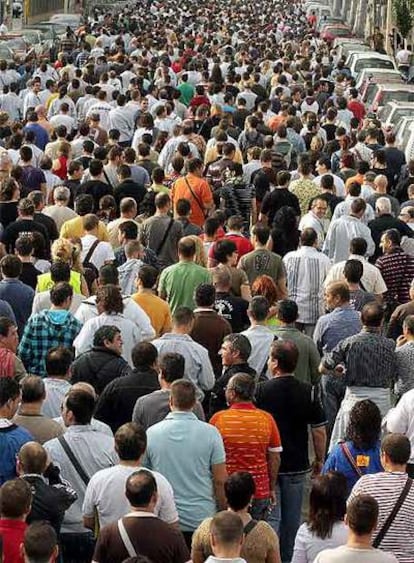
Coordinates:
[12,438]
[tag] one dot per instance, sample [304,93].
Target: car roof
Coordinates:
[373,55]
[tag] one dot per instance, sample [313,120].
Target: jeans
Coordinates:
[261,509]
[333,392]
[77,548]
[289,498]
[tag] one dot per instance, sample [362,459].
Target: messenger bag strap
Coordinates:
[125,538]
[350,458]
[387,524]
[199,203]
[75,462]
[90,252]
[164,238]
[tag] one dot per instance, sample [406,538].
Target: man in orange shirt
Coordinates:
[252,443]
[195,188]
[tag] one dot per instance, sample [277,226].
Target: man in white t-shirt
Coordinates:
[105,496]
[93,251]
[361,518]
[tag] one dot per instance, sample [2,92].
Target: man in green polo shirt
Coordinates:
[178,282]
[186,89]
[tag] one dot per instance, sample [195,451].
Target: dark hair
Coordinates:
[109,296]
[353,271]
[130,441]
[60,272]
[261,232]
[84,204]
[286,353]
[364,425]
[183,207]
[243,386]
[358,246]
[239,489]
[223,249]
[129,229]
[5,325]
[82,405]
[182,316]
[372,314]
[397,447]
[15,498]
[40,541]
[11,266]
[239,343]
[172,366]
[33,389]
[24,245]
[60,293]
[393,236]
[58,361]
[183,394]
[147,275]
[144,354]
[105,332]
[9,389]
[108,274]
[259,308]
[327,503]
[308,237]
[140,488]
[287,311]
[205,295]
[362,514]
[327,182]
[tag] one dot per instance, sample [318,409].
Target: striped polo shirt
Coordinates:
[386,488]
[248,434]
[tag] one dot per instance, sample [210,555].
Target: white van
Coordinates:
[391,114]
[359,61]
[405,137]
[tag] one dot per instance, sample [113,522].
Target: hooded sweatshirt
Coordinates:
[128,274]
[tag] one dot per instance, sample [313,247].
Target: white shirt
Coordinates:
[106,493]
[63,119]
[345,554]
[103,252]
[132,311]
[306,270]
[308,545]
[401,419]
[310,220]
[261,339]
[131,334]
[341,232]
[41,302]
[344,208]
[372,279]
[56,389]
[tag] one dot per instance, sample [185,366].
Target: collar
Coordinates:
[79,428]
[178,415]
[140,514]
[19,524]
[357,257]
[243,406]
[204,310]
[5,423]
[175,336]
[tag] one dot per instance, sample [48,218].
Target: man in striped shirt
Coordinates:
[386,488]
[252,442]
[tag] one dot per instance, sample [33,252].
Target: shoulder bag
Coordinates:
[164,238]
[349,457]
[199,203]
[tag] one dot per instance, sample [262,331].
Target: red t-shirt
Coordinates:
[357,108]
[248,434]
[243,244]
[12,532]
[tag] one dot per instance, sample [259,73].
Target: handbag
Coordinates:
[391,517]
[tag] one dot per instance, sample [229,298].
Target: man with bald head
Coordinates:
[51,495]
[386,219]
[381,190]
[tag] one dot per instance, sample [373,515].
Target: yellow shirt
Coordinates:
[74,229]
[157,309]
[44,282]
[212,155]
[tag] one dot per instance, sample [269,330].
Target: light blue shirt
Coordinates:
[198,368]
[335,326]
[184,449]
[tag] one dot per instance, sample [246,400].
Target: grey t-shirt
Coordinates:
[154,407]
[153,232]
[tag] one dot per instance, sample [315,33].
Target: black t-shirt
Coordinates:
[273,201]
[97,189]
[129,188]
[29,274]
[294,405]
[20,227]
[8,212]
[233,309]
[49,224]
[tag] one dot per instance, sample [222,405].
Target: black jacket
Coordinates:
[99,367]
[118,399]
[52,496]
[218,393]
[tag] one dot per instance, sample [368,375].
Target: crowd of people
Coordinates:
[206,297]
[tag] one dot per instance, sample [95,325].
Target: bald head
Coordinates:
[83,386]
[32,458]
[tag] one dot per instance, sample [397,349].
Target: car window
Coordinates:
[372,63]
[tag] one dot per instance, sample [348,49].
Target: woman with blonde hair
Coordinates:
[67,251]
[200,256]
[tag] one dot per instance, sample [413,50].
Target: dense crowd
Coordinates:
[206,297]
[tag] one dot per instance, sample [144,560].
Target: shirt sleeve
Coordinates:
[299,551]
[317,415]
[88,506]
[218,454]
[207,377]
[275,444]
[167,510]
[397,419]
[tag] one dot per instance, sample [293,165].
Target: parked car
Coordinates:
[377,75]
[71,20]
[359,61]
[392,112]
[331,32]
[384,93]
[405,137]
[326,20]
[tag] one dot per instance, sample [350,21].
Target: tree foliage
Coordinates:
[403,15]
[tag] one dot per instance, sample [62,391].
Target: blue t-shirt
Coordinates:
[368,461]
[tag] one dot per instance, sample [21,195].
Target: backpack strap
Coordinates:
[350,458]
[249,526]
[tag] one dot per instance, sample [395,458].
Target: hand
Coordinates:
[401,340]
[272,497]
[316,468]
